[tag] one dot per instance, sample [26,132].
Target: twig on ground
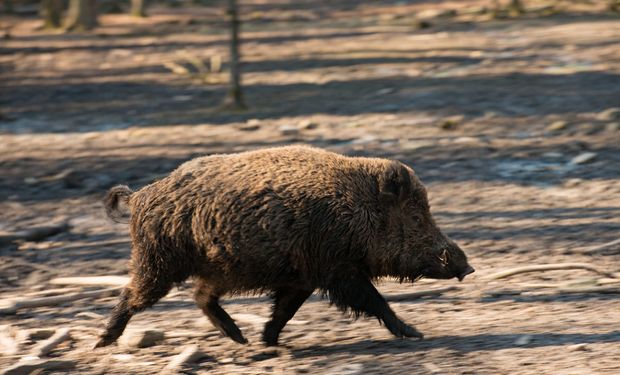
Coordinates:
[11,306]
[45,347]
[91,280]
[545,267]
[189,354]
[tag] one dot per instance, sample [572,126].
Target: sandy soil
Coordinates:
[490,113]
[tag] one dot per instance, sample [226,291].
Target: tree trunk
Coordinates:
[138,8]
[52,12]
[82,15]
[234,98]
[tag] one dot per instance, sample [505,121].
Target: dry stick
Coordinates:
[91,280]
[11,307]
[419,294]
[602,247]
[48,345]
[545,267]
[593,289]
[189,354]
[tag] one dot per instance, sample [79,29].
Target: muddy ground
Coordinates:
[508,122]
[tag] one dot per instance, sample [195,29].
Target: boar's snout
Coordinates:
[466,272]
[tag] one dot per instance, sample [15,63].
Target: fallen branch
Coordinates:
[188,355]
[11,306]
[605,246]
[545,267]
[91,280]
[553,290]
[419,294]
[34,234]
[45,347]
[593,289]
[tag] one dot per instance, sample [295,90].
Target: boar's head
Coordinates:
[415,246]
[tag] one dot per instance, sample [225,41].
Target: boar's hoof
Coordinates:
[104,341]
[403,330]
[270,338]
[412,332]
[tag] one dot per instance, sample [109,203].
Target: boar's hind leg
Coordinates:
[140,294]
[208,301]
[358,294]
[287,302]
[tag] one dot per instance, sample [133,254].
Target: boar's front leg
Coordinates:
[355,292]
[287,302]
[208,300]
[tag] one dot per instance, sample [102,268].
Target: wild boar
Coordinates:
[288,221]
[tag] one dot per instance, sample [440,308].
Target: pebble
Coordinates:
[435,13]
[557,125]
[523,340]
[583,158]
[141,338]
[250,125]
[307,124]
[579,347]
[609,114]
[451,123]
[288,130]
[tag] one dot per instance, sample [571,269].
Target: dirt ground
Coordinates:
[507,122]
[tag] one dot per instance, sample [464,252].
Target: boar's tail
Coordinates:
[117,195]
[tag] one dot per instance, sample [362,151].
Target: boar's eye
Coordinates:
[443,257]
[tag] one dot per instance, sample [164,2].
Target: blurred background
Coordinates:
[509,111]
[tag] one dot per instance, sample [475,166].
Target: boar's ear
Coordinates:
[395,182]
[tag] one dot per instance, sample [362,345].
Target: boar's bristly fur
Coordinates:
[284,220]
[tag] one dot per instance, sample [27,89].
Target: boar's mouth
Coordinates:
[466,272]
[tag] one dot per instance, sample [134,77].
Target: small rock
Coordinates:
[612,126]
[557,125]
[583,158]
[29,366]
[141,338]
[609,114]
[307,124]
[288,130]
[523,340]
[573,182]
[250,125]
[579,348]
[451,123]
[428,14]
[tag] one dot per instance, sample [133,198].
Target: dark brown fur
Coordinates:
[286,220]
